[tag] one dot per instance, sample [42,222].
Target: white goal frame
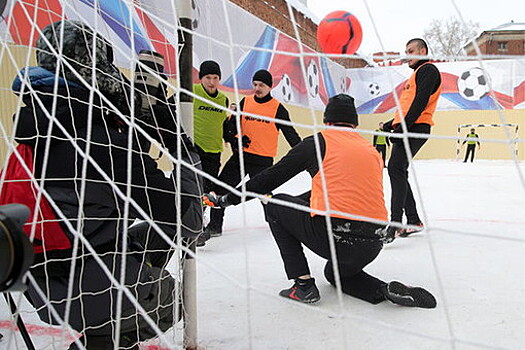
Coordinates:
[460,139]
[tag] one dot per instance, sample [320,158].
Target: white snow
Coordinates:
[471,257]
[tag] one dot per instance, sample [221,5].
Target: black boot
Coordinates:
[400,294]
[304,291]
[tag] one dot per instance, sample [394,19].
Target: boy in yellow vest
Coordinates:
[353,178]
[259,138]
[208,120]
[381,142]
[471,145]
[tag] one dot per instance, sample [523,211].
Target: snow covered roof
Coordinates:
[508,26]
[299,6]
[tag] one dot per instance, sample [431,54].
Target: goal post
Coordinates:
[493,138]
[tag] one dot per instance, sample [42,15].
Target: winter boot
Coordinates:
[213,230]
[389,234]
[400,294]
[304,291]
[202,239]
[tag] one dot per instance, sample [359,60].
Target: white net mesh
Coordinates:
[122,184]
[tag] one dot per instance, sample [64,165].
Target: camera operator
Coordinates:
[89,203]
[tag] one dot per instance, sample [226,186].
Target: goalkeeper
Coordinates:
[63,119]
[353,172]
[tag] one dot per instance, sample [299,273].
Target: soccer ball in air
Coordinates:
[473,84]
[286,88]
[312,73]
[374,89]
[340,33]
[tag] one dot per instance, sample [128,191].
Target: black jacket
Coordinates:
[105,138]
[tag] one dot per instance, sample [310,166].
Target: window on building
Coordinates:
[502,46]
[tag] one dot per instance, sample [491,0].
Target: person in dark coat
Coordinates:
[98,175]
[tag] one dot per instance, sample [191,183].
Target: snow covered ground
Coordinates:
[471,257]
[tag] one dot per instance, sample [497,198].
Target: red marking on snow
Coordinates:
[482,220]
[37,330]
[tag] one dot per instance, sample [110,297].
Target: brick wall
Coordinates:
[489,43]
[275,13]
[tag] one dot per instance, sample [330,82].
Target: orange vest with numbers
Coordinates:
[262,133]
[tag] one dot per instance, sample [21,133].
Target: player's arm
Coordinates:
[301,157]
[290,134]
[428,81]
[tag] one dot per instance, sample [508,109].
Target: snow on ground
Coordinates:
[471,257]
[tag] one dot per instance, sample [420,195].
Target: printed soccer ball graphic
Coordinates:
[286,88]
[342,85]
[196,14]
[374,89]
[473,84]
[313,78]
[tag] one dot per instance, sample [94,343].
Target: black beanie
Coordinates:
[264,76]
[209,67]
[341,108]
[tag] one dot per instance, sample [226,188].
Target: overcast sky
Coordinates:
[398,21]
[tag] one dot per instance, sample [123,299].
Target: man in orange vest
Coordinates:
[353,178]
[418,102]
[259,141]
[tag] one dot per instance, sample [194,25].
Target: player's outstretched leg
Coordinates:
[404,295]
[304,291]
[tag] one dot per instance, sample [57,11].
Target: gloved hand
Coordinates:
[215,201]
[246,141]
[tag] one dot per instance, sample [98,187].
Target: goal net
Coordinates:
[495,138]
[100,137]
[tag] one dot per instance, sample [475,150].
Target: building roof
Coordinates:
[301,7]
[508,26]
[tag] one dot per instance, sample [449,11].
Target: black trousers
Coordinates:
[93,306]
[382,150]
[231,175]
[211,164]
[402,199]
[471,150]
[356,244]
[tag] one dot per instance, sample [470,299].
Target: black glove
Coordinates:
[215,201]
[246,141]
[387,126]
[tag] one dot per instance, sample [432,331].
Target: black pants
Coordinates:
[211,164]
[402,199]
[382,150]
[231,175]
[93,303]
[471,149]
[356,246]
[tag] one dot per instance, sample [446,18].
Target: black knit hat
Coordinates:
[341,108]
[209,67]
[264,76]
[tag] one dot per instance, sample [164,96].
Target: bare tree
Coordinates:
[446,37]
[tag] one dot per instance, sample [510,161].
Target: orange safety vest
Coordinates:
[262,133]
[353,171]
[407,97]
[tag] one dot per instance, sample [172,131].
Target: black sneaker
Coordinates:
[400,294]
[304,291]
[405,232]
[213,231]
[202,239]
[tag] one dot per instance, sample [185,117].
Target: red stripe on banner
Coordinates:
[449,83]
[160,43]
[390,102]
[504,100]
[47,12]
[519,94]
